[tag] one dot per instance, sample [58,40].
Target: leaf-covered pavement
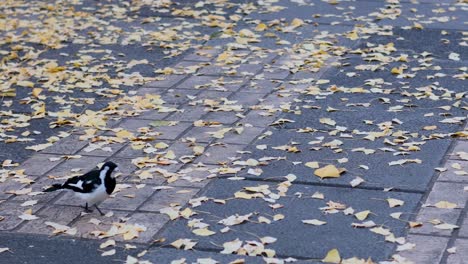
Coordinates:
[306,130]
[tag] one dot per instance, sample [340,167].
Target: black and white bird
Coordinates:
[92,187]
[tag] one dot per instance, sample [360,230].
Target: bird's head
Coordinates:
[110,167]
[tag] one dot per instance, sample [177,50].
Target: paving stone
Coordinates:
[225,118]
[152,222]
[11,210]
[261,86]
[201,134]
[177,97]
[214,70]
[350,242]
[258,119]
[9,186]
[153,91]
[172,132]
[188,113]
[275,74]
[167,197]
[246,99]
[451,173]
[153,115]
[110,149]
[428,249]
[39,164]
[447,191]
[247,136]
[54,213]
[129,152]
[464,228]
[427,214]
[167,81]
[194,176]
[213,95]
[461,254]
[196,81]
[38,186]
[68,145]
[133,125]
[85,227]
[74,167]
[218,154]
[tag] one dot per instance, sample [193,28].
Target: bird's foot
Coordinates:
[102,214]
[86,209]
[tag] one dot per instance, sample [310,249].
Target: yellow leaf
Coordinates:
[333,256]
[315,222]
[108,253]
[36,92]
[397,70]
[352,35]
[329,171]
[362,215]
[394,202]
[203,232]
[312,164]
[297,22]
[261,27]
[445,205]
[124,134]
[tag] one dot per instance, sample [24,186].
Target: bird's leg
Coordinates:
[87,210]
[98,209]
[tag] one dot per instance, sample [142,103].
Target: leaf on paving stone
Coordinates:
[445,205]
[356,181]
[362,215]
[185,244]
[58,228]
[108,253]
[20,192]
[452,250]
[29,203]
[39,147]
[315,222]
[171,212]
[203,232]
[333,256]
[394,202]
[28,217]
[381,231]
[329,171]
[108,243]
[268,240]
[396,215]
[327,121]
[407,246]
[446,226]
[231,246]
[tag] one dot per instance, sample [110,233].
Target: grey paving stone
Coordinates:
[39,164]
[153,115]
[85,227]
[447,191]
[464,228]
[453,174]
[54,213]
[167,81]
[167,197]
[38,186]
[130,152]
[220,154]
[428,249]
[133,125]
[176,97]
[194,176]
[172,132]
[188,113]
[195,81]
[258,119]
[8,186]
[248,135]
[202,55]
[246,99]
[261,86]
[152,222]
[68,145]
[461,252]
[74,167]
[106,150]
[11,210]
[275,74]
[428,214]
[226,118]
[201,134]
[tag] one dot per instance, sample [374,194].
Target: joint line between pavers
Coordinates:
[454,235]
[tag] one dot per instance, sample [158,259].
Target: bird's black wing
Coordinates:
[85,183]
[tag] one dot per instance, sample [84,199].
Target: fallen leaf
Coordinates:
[333,256]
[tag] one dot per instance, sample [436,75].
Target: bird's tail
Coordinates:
[54,187]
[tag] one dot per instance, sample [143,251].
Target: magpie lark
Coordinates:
[92,187]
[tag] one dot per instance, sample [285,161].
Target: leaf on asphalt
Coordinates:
[203,232]
[185,244]
[315,222]
[108,253]
[333,256]
[329,171]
